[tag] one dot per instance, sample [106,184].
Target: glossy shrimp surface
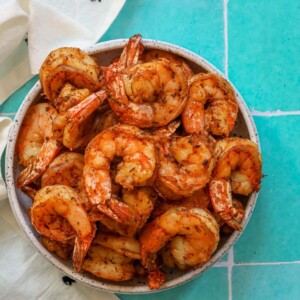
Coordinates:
[211,105]
[137,166]
[147,95]
[70,65]
[57,214]
[36,145]
[185,164]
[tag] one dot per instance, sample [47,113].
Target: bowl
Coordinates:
[104,53]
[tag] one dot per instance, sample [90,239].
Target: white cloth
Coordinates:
[50,24]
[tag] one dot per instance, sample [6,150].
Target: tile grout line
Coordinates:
[275,113]
[230,259]
[7,114]
[297,262]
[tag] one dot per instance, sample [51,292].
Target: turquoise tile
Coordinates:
[272,234]
[13,103]
[276,282]
[264,43]
[213,284]
[195,25]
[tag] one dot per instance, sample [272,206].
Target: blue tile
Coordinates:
[195,25]
[213,284]
[273,231]
[266,282]
[264,43]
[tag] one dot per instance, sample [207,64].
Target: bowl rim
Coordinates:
[111,287]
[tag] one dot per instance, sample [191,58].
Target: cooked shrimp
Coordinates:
[57,214]
[211,105]
[193,235]
[154,54]
[238,169]
[147,95]
[71,127]
[128,246]
[199,199]
[108,264]
[66,169]
[61,250]
[69,96]
[141,203]
[138,165]
[36,146]
[68,65]
[185,164]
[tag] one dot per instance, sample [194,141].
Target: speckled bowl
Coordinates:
[20,203]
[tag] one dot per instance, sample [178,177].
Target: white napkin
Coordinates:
[50,24]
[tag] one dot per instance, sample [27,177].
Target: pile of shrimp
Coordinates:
[131,166]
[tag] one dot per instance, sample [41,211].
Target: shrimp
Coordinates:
[68,65]
[147,95]
[36,145]
[69,96]
[108,264]
[141,203]
[57,214]
[238,170]
[66,169]
[198,199]
[193,235]
[128,246]
[139,161]
[211,106]
[185,164]
[62,250]
[71,127]
[155,54]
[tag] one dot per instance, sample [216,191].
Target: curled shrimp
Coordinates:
[57,214]
[141,202]
[36,145]
[72,126]
[147,95]
[139,160]
[193,235]
[68,65]
[109,264]
[185,164]
[70,96]
[199,199]
[61,250]
[154,54]
[238,170]
[211,105]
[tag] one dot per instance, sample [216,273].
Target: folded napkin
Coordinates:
[50,24]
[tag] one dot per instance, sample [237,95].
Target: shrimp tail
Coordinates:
[156,279]
[81,248]
[48,152]
[232,217]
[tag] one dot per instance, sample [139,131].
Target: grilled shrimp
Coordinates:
[238,170]
[193,235]
[199,199]
[211,106]
[141,202]
[109,264]
[185,164]
[61,250]
[57,214]
[68,65]
[36,145]
[72,126]
[147,95]
[155,54]
[138,165]
[70,96]
[66,169]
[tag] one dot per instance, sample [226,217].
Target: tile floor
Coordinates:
[256,44]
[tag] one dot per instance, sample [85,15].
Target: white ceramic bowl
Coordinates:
[104,53]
